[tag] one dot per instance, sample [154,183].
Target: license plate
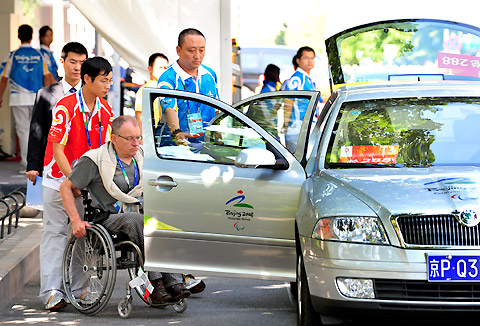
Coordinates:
[453,268]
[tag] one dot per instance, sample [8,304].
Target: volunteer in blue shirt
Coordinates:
[27,72]
[188,119]
[46,38]
[301,80]
[271,83]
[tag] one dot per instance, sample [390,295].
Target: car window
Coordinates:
[219,139]
[407,132]
[405,50]
[281,117]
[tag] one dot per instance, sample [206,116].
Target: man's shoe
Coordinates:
[55,302]
[87,298]
[194,285]
[159,294]
[178,291]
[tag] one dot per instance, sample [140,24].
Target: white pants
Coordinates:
[22,115]
[54,241]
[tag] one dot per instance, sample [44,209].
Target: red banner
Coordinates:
[374,154]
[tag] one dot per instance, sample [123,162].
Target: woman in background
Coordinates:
[271,82]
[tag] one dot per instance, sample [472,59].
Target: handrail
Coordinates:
[17,195]
[7,213]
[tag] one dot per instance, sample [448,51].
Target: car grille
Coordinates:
[416,290]
[437,230]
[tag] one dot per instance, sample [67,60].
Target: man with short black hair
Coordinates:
[27,72]
[81,121]
[157,64]
[73,55]
[190,75]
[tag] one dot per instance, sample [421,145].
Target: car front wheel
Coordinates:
[306,315]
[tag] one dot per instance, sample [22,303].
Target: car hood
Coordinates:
[393,191]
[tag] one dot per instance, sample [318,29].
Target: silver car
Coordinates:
[370,202]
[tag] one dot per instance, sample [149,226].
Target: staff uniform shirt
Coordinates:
[151,83]
[25,68]
[68,123]
[177,78]
[269,86]
[49,60]
[300,81]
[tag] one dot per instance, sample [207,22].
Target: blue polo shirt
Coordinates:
[25,68]
[268,86]
[177,78]
[49,60]
[300,81]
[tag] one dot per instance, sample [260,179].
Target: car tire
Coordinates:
[306,315]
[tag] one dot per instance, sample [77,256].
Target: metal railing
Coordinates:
[10,206]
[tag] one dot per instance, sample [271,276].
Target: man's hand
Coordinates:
[79,228]
[32,175]
[76,192]
[181,138]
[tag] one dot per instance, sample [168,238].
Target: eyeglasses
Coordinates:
[131,138]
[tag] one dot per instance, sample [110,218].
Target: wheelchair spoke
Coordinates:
[90,270]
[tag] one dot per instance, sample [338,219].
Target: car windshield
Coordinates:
[405,50]
[406,132]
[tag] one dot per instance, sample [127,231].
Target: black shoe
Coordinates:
[178,291]
[159,294]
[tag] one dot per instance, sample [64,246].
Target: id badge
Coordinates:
[195,125]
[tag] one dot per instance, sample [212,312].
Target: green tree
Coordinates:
[280,38]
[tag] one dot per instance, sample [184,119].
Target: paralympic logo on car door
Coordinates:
[240,199]
[239,216]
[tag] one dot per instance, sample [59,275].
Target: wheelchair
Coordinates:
[90,267]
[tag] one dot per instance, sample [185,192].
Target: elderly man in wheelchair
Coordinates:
[112,175]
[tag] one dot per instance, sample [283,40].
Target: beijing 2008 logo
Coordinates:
[242,216]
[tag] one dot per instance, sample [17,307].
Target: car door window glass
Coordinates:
[281,117]
[219,139]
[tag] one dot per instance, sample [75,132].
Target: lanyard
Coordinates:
[135,181]
[197,90]
[85,119]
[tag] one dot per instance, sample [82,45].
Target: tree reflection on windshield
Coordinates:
[406,132]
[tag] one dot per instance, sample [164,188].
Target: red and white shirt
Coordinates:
[68,128]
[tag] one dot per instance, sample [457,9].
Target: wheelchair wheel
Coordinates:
[89,270]
[181,306]
[125,308]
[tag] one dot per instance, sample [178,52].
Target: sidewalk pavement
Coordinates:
[19,251]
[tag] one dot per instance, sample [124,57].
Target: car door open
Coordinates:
[224,202]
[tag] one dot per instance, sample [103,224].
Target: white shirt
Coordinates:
[67,86]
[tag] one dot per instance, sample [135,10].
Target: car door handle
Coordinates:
[164,183]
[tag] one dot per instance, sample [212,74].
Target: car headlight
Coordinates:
[351,229]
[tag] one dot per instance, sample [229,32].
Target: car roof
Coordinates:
[384,90]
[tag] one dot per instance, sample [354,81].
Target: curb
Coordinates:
[21,264]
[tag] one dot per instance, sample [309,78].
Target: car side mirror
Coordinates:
[254,157]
